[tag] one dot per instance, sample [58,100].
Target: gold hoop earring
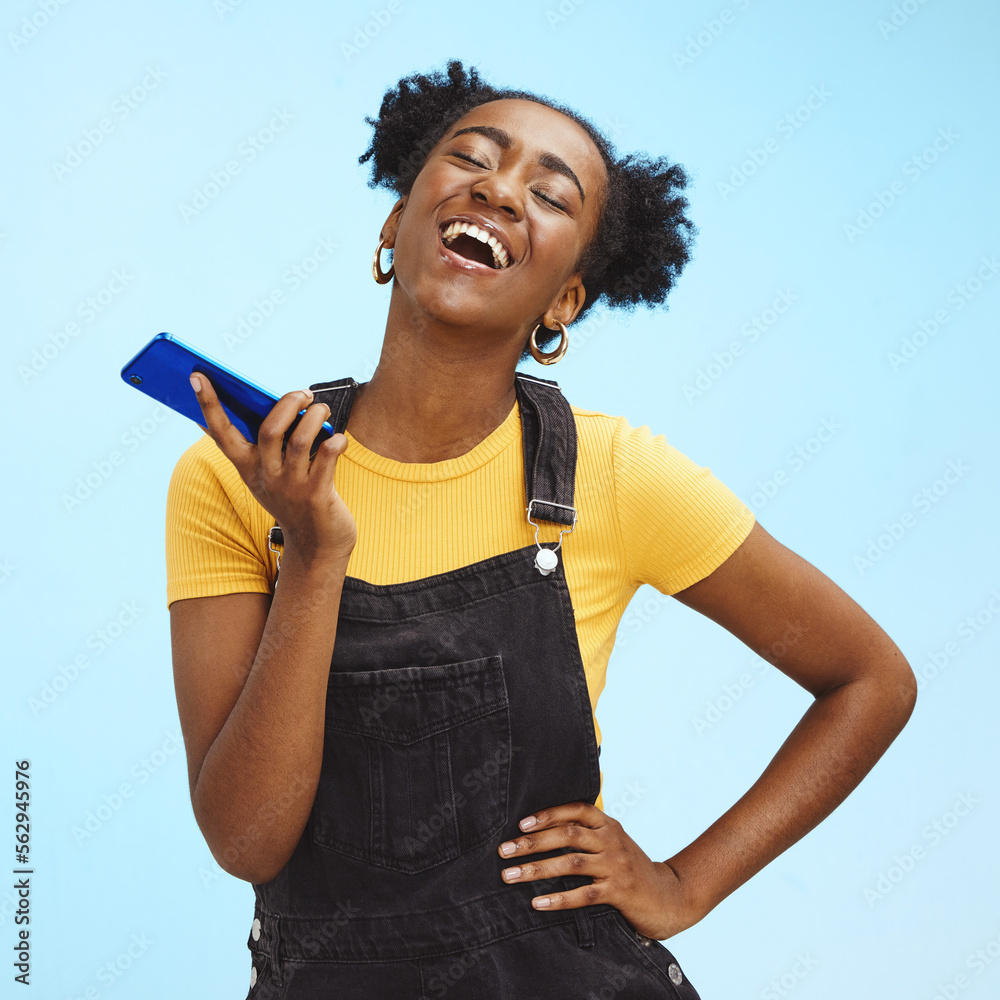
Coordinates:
[377,273]
[554,356]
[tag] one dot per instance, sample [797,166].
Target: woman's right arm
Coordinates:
[251,671]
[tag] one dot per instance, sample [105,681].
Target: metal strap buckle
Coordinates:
[271,535]
[546,560]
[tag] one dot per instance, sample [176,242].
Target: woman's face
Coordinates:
[532,182]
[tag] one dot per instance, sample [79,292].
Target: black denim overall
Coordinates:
[457,705]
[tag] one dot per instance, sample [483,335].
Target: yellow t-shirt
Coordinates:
[646,514]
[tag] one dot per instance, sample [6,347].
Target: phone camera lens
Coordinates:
[135,379]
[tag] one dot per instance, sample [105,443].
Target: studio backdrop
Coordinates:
[830,353]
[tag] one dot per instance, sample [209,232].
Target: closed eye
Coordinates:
[465,156]
[551,201]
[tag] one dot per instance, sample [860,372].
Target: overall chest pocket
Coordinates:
[416,763]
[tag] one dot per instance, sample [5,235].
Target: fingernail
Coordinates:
[541,903]
[196,383]
[507,848]
[527,824]
[307,393]
[512,873]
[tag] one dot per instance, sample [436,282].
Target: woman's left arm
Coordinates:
[801,621]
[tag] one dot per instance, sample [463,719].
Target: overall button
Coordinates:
[255,929]
[253,976]
[675,974]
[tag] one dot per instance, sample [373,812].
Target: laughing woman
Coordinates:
[388,701]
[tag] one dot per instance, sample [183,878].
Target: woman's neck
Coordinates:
[437,392]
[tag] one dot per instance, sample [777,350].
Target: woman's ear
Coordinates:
[391,224]
[568,304]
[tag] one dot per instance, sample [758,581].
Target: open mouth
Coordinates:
[469,241]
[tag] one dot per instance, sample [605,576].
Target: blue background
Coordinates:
[845,207]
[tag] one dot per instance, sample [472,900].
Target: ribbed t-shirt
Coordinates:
[646,513]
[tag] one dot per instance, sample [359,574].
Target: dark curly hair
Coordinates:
[643,239]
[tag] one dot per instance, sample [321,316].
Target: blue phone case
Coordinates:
[162,370]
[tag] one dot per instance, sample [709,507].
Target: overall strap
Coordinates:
[338,395]
[548,429]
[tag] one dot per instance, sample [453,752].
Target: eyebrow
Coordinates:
[548,160]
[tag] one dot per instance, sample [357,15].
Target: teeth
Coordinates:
[457,228]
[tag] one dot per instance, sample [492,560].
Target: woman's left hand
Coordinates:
[647,893]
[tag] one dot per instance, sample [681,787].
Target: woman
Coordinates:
[391,732]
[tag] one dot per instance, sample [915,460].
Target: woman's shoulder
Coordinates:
[596,422]
[616,435]
[601,419]
[614,451]
[216,532]
[203,460]
[204,477]
[677,522]
[639,455]
[203,450]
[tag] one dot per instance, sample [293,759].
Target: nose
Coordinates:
[499,192]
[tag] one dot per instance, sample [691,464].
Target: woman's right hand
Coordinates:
[298,492]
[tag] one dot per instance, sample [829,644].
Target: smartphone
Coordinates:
[162,369]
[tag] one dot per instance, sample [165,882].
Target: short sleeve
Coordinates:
[216,532]
[678,522]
